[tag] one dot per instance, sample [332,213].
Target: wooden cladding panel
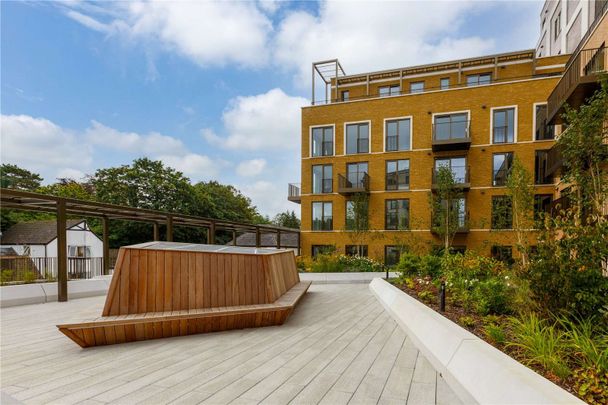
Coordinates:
[147,280]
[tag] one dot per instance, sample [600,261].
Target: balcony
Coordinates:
[463,224]
[579,81]
[294,193]
[461,178]
[353,183]
[554,161]
[451,136]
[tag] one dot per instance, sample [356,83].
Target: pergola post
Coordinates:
[211,234]
[257,237]
[62,253]
[279,239]
[106,245]
[156,231]
[169,228]
[233,238]
[299,248]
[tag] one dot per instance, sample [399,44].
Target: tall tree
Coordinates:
[584,149]
[357,220]
[12,176]
[521,191]
[287,219]
[446,205]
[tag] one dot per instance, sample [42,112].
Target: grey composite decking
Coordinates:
[339,346]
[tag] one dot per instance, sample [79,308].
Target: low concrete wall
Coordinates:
[343,278]
[475,370]
[39,293]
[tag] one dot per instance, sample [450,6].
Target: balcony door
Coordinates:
[457,165]
[451,126]
[355,174]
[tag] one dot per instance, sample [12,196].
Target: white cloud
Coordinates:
[251,168]
[42,146]
[266,121]
[149,144]
[210,33]
[366,36]
[269,197]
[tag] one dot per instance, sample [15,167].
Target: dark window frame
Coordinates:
[396,211]
[398,136]
[393,90]
[345,95]
[441,86]
[359,125]
[323,141]
[348,221]
[399,251]
[361,250]
[415,91]
[540,167]
[324,180]
[502,182]
[325,220]
[541,206]
[503,253]
[406,186]
[508,129]
[320,249]
[478,81]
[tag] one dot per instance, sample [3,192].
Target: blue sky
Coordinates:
[213,89]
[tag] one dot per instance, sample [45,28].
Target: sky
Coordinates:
[213,89]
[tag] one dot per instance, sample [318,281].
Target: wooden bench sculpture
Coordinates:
[164,289]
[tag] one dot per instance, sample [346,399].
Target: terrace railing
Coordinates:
[25,269]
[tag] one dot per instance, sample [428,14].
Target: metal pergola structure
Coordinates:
[62,207]
[328,70]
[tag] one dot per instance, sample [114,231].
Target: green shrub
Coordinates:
[492,296]
[540,343]
[360,264]
[592,385]
[6,276]
[495,333]
[467,321]
[427,296]
[29,277]
[587,342]
[409,265]
[326,263]
[430,265]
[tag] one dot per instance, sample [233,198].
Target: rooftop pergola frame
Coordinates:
[62,207]
[327,70]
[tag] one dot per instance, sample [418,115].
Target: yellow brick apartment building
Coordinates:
[386,133]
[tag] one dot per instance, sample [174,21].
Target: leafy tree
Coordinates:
[584,149]
[446,205]
[69,188]
[521,191]
[357,219]
[215,200]
[287,219]
[12,176]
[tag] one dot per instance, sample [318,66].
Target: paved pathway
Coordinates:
[339,346]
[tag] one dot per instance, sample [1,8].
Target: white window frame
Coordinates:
[369,122]
[310,128]
[407,117]
[515,124]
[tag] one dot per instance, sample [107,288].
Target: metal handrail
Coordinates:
[294,190]
[453,134]
[345,184]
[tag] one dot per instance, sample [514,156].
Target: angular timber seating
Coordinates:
[165,289]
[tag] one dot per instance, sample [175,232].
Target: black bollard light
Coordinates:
[442,297]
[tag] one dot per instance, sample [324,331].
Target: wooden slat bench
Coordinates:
[163,289]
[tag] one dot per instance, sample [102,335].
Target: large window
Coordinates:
[356,174]
[321,249]
[322,141]
[322,219]
[356,215]
[502,212]
[476,80]
[356,250]
[398,174]
[398,134]
[79,251]
[417,87]
[397,214]
[345,95]
[540,167]
[542,205]
[501,165]
[503,125]
[451,126]
[321,179]
[391,90]
[445,83]
[357,138]
[457,208]
[457,165]
[502,253]
[542,130]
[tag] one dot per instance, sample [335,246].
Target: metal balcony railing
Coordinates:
[294,192]
[353,183]
[503,134]
[451,136]
[584,68]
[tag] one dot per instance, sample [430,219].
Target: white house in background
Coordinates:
[39,239]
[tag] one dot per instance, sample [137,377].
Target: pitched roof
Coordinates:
[267,240]
[34,233]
